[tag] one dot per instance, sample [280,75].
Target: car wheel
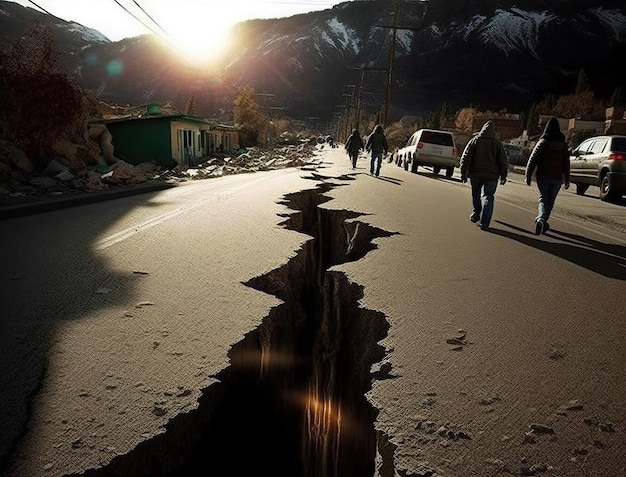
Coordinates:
[449,172]
[607,192]
[581,188]
[436,169]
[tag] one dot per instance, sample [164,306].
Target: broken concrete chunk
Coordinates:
[541,429]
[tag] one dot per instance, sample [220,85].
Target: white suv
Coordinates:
[429,147]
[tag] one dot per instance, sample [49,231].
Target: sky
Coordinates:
[192,25]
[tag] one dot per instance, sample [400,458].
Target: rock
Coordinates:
[16,157]
[74,175]
[65,148]
[541,429]
[43,182]
[64,176]
[54,167]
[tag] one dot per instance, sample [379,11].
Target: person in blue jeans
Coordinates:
[376,144]
[485,162]
[549,161]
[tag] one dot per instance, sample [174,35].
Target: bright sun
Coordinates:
[200,35]
[206,44]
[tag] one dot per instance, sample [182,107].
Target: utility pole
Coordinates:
[392,55]
[349,111]
[358,99]
[359,92]
[266,110]
[266,104]
[392,52]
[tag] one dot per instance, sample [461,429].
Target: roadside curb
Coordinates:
[47,204]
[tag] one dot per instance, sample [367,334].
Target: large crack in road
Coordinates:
[292,402]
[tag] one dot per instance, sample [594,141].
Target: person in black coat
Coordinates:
[377,145]
[549,161]
[354,144]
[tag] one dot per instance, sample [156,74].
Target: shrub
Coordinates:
[40,104]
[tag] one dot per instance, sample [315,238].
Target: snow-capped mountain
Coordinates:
[495,55]
[70,37]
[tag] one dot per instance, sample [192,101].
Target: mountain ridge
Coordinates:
[460,52]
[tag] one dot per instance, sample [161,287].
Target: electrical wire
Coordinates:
[152,19]
[167,38]
[41,8]
[160,35]
[163,34]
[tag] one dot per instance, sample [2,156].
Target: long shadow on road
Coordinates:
[602,258]
[50,275]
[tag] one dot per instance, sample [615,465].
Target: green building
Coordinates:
[169,139]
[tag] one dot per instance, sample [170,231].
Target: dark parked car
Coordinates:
[600,161]
[514,155]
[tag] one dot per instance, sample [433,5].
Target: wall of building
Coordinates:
[138,140]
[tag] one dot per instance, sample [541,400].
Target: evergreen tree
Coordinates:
[616,98]
[532,122]
[582,84]
[252,123]
[190,107]
[446,112]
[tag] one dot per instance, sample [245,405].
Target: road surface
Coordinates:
[315,321]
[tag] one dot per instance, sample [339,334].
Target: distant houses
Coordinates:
[510,127]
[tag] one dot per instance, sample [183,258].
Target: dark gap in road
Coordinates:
[292,402]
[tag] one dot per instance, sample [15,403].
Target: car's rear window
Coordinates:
[435,137]
[619,144]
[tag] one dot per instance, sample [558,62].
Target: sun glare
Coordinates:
[204,45]
[200,36]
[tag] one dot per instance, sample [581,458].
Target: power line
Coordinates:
[41,8]
[163,34]
[160,35]
[152,19]
[231,86]
[142,22]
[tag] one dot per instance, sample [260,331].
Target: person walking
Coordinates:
[354,144]
[549,160]
[377,145]
[484,161]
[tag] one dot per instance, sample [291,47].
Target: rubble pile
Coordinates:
[250,160]
[21,181]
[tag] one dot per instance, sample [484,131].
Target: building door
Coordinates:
[186,147]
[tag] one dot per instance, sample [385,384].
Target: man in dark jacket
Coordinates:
[354,144]
[484,161]
[550,158]
[377,145]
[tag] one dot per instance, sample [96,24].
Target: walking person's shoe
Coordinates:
[546,227]
[475,218]
[539,227]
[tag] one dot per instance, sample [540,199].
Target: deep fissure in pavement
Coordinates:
[292,402]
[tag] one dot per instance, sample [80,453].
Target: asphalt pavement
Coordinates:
[47,203]
[147,332]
